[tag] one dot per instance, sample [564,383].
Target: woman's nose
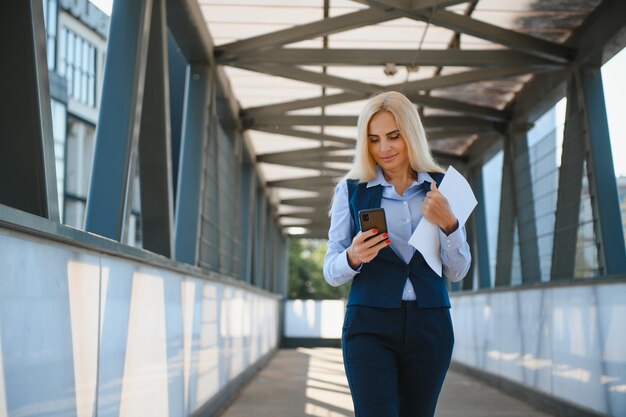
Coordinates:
[384,145]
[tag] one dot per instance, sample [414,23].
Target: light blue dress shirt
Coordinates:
[403,215]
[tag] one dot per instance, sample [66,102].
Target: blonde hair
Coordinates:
[411,129]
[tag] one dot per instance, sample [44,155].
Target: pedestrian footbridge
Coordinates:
[156,159]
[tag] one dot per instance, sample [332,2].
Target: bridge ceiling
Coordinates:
[301,71]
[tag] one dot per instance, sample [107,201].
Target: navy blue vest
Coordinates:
[381,281]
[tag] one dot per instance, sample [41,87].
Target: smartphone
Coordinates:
[373,219]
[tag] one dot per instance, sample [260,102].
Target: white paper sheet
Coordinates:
[462,201]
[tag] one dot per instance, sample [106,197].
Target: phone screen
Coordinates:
[373,219]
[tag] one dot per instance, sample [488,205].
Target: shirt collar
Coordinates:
[379,179]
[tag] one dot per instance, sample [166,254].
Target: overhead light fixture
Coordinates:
[390,69]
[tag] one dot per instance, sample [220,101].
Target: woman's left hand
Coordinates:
[437,210]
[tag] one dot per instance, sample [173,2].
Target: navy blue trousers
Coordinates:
[396,358]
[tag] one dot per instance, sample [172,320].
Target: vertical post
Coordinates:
[177,72]
[190,176]
[484,271]
[27,165]
[154,142]
[569,191]
[525,208]
[507,219]
[117,135]
[248,200]
[601,173]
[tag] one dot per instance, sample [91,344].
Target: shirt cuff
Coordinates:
[344,267]
[452,241]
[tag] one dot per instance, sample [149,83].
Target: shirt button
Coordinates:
[404,203]
[448,240]
[448,245]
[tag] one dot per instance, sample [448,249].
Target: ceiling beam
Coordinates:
[303,134]
[429,122]
[309,153]
[294,73]
[364,90]
[443,81]
[307,201]
[518,41]
[326,170]
[376,57]
[307,31]
[470,26]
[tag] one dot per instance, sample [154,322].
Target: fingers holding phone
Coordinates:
[372,238]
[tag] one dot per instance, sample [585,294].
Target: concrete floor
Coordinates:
[311,382]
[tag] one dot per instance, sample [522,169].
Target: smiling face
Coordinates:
[385,143]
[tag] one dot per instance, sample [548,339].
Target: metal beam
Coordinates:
[306,31]
[366,90]
[294,73]
[378,57]
[413,87]
[110,191]
[525,208]
[484,269]
[307,201]
[155,155]
[307,154]
[190,176]
[569,190]
[409,5]
[506,222]
[286,131]
[601,173]
[429,122]
[518,41]
[27,164]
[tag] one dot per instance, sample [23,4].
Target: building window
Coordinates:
[77,63]
[50,22]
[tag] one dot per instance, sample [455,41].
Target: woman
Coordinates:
[397,334]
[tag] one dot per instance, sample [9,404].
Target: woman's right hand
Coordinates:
[362,251]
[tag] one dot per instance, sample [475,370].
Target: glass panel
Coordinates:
[586,250]
[62,47]
[544,143]
[92,81]
[78,43]
[84,69]
[70,62]
[492,186]
[614,92]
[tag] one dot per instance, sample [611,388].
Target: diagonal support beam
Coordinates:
[27,163]
[306,31]
[465,77]
[376,57]
[518,41]
[303,134]
[364,90]
[430,122]
[117,137]
[309,154]
[155,155]
[470,26]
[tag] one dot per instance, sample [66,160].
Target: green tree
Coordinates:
[306,279]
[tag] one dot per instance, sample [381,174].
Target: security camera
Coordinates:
[390,69]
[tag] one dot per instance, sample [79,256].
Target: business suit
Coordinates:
[397,348]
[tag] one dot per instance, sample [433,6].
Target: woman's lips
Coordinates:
[388,158]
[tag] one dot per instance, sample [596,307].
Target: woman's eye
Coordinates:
[395,137]
[373,140]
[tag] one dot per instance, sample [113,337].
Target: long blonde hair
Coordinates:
[411,129]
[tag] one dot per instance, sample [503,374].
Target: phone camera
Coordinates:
[366,217]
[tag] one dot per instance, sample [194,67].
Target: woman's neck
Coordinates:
[401,180]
